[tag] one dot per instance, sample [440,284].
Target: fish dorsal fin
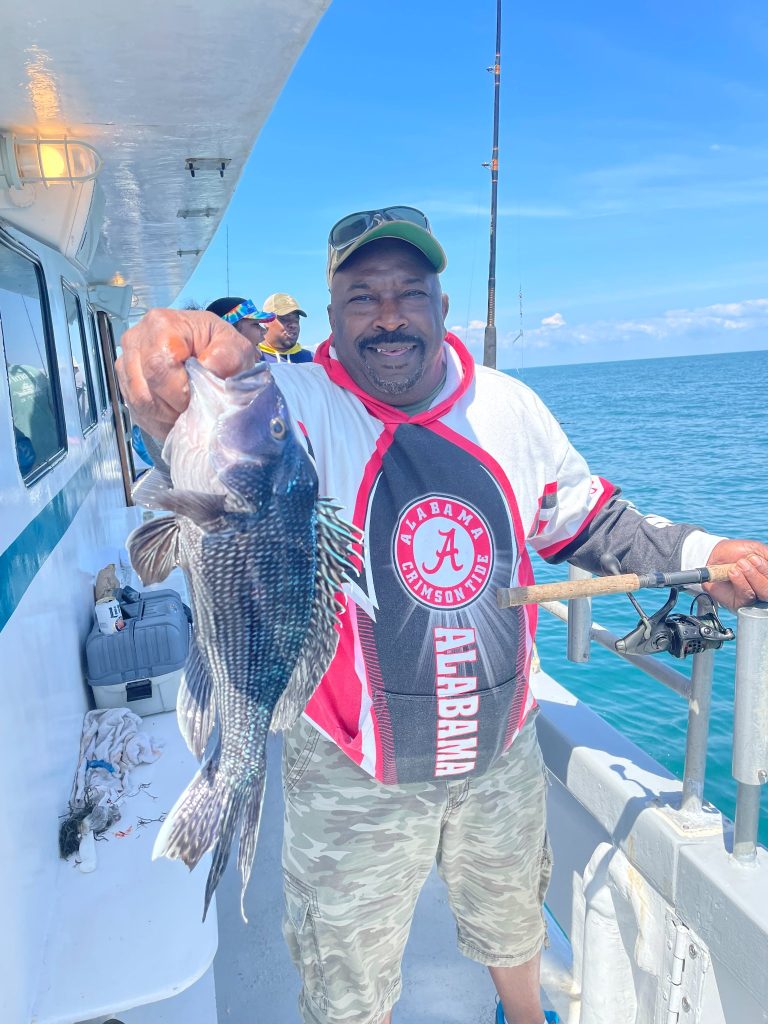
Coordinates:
[335,538]
[195,704]
[154,549]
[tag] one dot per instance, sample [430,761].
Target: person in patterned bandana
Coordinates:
[419,744]
[245,317]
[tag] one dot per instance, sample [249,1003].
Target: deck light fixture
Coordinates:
[26,161]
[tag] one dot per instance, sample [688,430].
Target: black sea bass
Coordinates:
[264,559]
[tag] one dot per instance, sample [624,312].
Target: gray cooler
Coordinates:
[140,666]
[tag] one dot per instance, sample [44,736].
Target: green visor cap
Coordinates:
[419,237]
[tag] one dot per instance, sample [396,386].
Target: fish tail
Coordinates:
[230,817]
[249,832]
[206,816]
[198,818]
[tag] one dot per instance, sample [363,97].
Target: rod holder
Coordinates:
[579,620]
[750,726]
[750,706]
[747,823]
[699,704]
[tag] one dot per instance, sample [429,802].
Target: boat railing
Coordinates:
[750,728]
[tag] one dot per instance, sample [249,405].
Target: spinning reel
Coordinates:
[678,634]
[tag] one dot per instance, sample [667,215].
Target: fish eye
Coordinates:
[277,428]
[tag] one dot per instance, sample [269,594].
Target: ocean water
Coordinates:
[686,438]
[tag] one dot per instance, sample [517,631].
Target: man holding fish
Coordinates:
[418,744]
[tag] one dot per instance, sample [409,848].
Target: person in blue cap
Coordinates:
[245,317]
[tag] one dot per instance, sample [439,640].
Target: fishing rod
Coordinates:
[677,634]
[489,343]
[617,584]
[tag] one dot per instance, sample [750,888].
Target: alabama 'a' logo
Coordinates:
[443,552]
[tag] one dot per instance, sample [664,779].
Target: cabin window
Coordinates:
[38,421]
[81,362]
[98,366]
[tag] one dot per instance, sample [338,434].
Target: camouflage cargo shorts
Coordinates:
[356,854]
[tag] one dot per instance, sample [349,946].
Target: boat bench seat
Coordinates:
[130,932]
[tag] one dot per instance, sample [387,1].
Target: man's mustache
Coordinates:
[389,338]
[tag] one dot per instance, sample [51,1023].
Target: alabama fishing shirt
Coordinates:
[430,677]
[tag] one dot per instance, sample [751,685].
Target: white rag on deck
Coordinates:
[116,737]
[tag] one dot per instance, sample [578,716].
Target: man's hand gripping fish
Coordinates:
[265,559]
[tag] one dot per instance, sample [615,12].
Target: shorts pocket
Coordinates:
[301,913]
[298,747]
[546,869]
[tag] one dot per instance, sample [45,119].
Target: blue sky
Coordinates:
[633,187]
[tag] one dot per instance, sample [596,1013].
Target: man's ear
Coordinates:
[331,317]
[445,305]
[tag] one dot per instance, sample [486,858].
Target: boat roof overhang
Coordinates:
[152,85]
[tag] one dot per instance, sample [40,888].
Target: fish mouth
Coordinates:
[242,387]
[249,381]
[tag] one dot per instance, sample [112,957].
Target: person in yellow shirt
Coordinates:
[281,343]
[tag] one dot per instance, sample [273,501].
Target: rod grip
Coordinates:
[599,585]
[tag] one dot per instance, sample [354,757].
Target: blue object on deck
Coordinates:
[550,1017]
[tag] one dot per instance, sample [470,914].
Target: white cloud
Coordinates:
[556,320]
[471,334]
[674,324]
[463,330]
[717,327]
[749,306]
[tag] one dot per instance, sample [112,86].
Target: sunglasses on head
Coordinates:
[352,227]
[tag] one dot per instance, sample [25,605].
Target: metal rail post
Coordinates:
[750,727]
[579,620]
[698,730]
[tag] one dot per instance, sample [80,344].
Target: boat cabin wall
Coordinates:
[60,490]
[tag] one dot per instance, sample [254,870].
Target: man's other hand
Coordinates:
[151,370]
[748,581]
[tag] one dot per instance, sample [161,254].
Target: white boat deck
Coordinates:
[256,982]
[157,906]
[668,880]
